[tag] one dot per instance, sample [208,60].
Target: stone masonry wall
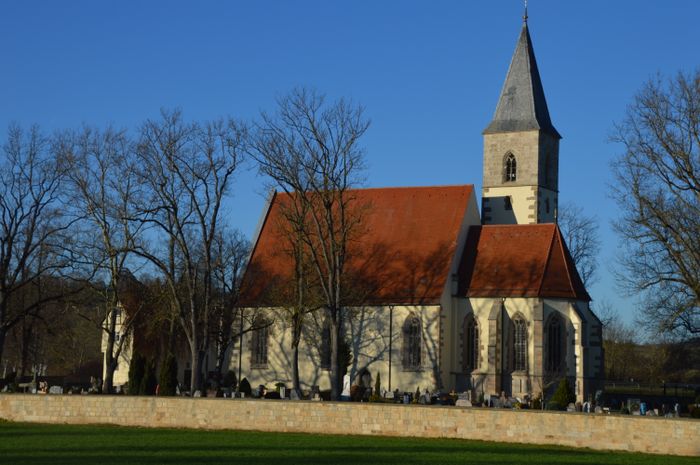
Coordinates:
[636,434]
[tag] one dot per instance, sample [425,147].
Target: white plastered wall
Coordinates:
[581,358]
[121,374]
[368,331]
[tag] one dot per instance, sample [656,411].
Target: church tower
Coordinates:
[521,147]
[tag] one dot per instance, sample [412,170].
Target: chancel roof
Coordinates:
[400,252]
[519,261]
[522,105]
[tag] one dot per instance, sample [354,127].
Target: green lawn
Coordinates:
[22,443]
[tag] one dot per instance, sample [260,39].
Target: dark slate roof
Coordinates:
[522,106]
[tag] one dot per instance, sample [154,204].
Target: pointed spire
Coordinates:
[522,105]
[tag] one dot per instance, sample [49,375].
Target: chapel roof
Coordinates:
[522,105]
[401,252]
[519,261]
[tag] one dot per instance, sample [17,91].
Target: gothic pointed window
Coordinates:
[326,345]
[412,343]
[259,342]
[510,168]
[554,345]
[519,344]
[470,345]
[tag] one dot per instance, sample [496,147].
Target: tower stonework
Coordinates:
[521,148]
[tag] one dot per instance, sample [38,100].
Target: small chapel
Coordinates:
[466,297]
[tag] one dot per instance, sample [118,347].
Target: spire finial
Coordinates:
[525,13]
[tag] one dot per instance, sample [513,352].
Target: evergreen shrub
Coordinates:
[245,387]
[137,369]
[167,383]
[564,394]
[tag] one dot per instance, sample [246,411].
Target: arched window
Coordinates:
[555,348]
[470,345]
[326,345]
[546,205]
[519,344]
[412,343]
[510,168]
[259,341]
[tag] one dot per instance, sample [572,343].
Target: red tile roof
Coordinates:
[402,254]
[519,261]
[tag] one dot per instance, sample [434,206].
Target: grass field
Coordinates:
[22,443]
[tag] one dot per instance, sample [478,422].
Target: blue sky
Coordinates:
[428,73]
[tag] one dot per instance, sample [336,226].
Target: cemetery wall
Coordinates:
[626,433]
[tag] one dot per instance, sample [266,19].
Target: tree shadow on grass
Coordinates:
[78,445]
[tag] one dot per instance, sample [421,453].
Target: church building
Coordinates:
[457,297]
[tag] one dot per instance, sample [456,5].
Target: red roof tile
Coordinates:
[519,261]
[402,254]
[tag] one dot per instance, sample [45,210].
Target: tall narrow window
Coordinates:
[519,344]
[326,345]
[412,343]
[510,168]
[546,170]
[470,355]
[555,347]
[259,340]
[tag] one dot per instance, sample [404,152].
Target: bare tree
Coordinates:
[103,192]
[618,343]
[231,251]
[32,240]
[581,235]
[657,187]
[187,170]
[310,150]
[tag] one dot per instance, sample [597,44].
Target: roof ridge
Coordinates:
[535,225]
[546,263]
[442,186]
[566,262]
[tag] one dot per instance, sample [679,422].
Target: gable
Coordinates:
[518,261]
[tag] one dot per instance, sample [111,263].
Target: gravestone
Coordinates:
[346,387]
[55,390]
[464,399]
[633,405]
[294,395]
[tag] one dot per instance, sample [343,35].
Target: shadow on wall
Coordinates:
[498,209]
[375,277]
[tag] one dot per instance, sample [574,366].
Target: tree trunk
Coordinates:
[335,362]
[201,377]
[110,363]
[296,337]
[3,333]
[25,342]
